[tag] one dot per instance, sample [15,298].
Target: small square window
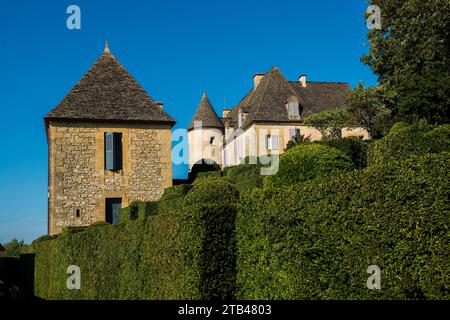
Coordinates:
[77,213]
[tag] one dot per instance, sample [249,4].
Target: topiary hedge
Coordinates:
[210,210]
[404,141]
[316,240]
[164,255]
[245,176]
[309,161]
[353,147]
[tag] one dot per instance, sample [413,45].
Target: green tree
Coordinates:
[371,107]
[425,95]
[14,247]
[412,48]
[329,122]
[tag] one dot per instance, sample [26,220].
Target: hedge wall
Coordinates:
[309,161]
[315,240]
[164,255]
[353,147]
[405,140]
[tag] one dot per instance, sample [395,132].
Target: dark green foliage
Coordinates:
[405,141]
[438,139]
[371,107]
[311,161]
[353,147]
[414,37]
[425,96]
[316,240]
[164,254]
[176,191]
[410,56]
[171,199]
[210,217]
[245,176]
[204,176]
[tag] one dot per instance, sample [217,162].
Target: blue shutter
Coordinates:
[109,151]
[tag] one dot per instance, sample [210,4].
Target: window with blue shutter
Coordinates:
[113,151]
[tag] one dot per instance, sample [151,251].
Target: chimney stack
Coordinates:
[159,104]
[256,79]
[302,79]
[225,112]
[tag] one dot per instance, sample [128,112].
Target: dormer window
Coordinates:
[293,107]
[241,118]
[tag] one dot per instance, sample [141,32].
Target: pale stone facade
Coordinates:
[251,142]
[205,143]
[79,182]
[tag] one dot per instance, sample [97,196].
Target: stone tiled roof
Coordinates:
[320,96]
[107,92]
[267,103]
[206,114]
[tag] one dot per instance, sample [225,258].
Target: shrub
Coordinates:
[210,210]
[413,140]
[353,147]
[163,255]
[306,162]
[438,139]
[316,240]
[245,176]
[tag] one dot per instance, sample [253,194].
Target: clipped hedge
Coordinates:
[245,176]
[210,211]
[309,161]
[353,147]
[404,141]
[163,255]
[316,240]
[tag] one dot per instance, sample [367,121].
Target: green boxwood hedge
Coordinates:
[353,147]
[404,141]
[163,255]
[309,161]
[316,240]
[210,211]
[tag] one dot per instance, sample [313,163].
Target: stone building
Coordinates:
[109,143]
[265,119]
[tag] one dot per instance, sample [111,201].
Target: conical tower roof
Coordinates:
[206,114]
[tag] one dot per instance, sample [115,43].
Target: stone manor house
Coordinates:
[109,142]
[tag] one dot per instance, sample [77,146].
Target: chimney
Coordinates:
[225,113]
[159,104]
[302,79]
[256,79]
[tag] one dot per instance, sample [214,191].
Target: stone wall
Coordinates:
[78,181]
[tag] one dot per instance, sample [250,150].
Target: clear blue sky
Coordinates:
[174,49]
